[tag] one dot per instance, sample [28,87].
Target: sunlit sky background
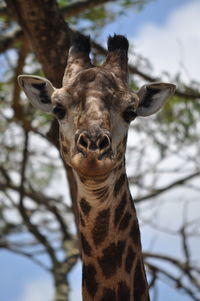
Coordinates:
[167,33]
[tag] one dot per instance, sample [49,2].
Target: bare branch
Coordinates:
[32,228]
[40,198]
[30,256]
[164,275]
[166,188]
[184,236]
[176,262]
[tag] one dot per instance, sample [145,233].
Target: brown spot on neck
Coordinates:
[123,291]
[140,283]
[101,226]
[119,184]
[108,295]
[125,221]
[85,206]
[85,245]
[89,279]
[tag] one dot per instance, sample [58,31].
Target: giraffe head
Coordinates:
[94,107]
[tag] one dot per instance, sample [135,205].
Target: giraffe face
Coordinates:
[94,107]
[94,111]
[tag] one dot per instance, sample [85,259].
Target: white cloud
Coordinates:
[175,46]
[38,290]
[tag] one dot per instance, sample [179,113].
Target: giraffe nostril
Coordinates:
[83,141]
[104,142]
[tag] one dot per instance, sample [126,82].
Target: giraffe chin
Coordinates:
[91,166]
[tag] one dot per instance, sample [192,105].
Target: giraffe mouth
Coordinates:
[97,154]
[93,163]
[106,154]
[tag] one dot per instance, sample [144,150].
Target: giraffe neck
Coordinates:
[111,249]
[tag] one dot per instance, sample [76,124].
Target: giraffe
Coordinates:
[94,109]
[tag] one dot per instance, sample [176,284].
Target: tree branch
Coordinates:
[73,9]
[10,39]
[166,188]
[40,198]
[30,256]
[78,7]
[176,262]
[17,107]
[134,70]
[175,280]
[32,228]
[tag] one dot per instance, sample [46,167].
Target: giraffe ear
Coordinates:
[153,96]
[38,90]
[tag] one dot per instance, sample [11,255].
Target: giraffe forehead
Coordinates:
[95,83]
[95,88]
[96,101]
[92,78]
[97,76]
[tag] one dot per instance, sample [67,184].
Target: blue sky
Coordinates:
[159,26]
[156,12]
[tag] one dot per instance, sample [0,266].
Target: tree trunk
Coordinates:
[49,36]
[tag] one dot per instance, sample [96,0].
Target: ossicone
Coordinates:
[80,43]
[117,57]
[78,58]
[118,43]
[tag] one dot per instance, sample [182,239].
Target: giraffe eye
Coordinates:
[59,111]
[129,115]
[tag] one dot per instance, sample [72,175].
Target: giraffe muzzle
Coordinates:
[100,144]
